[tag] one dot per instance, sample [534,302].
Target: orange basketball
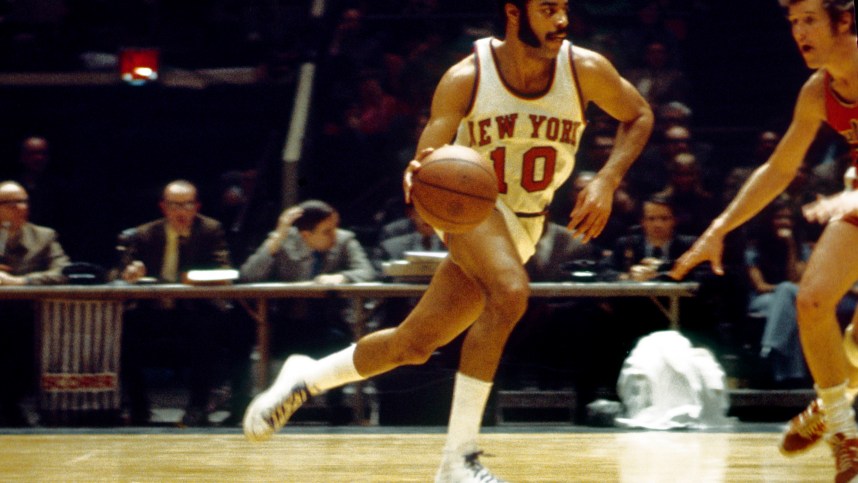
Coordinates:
[455,189]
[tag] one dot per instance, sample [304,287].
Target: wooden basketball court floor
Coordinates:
[527,453]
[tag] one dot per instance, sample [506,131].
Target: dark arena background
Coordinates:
[265,103]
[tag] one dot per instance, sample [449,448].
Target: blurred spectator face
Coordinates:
[766,143]
[324,235]
[782,220]
[35,154]
[600,149]
[180,206]
[657,222]
[14,207]
[656,55]
[677,139]
[674,113]
[684,172]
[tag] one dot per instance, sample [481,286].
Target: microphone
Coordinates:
[4,236]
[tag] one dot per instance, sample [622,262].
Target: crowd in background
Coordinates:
[378,62]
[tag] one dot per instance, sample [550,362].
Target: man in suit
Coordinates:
[29,255]
[640,256]
[418,236]
[182,332]
[308,245]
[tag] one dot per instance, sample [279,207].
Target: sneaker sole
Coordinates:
[253,412]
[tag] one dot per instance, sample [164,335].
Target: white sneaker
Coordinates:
[271,409]
[464,469]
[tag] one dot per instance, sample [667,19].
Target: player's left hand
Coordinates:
[592,209]
[824,209]
[412,168]
[709,247]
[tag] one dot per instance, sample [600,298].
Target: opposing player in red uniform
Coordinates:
[520,102]
[824,31]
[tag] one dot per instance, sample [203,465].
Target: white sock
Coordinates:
[466,414]
[332,371]
[839,416]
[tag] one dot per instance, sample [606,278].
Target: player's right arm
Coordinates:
[766,182]
[450,104]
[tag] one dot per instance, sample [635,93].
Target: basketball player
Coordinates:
[520,102]
[824,31]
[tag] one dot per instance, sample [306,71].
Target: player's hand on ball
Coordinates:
[412,168]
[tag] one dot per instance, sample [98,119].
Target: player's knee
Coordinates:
[509,302]
[811,301]
[413,352]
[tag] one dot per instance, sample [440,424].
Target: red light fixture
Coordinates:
[139,65]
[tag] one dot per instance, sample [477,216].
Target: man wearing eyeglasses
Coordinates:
[180,332]
[29,255]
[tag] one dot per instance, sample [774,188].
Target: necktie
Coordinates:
[657,252]
[170,264]
[318,262]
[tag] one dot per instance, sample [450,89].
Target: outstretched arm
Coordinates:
[767,181]
[601,83]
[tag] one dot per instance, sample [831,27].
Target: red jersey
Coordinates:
[843,117]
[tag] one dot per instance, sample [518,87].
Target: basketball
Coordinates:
[455,189]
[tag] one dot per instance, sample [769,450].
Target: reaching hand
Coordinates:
[709,247]
[412,168]
[827,208]
[592,209]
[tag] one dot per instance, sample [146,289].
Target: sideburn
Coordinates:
[525,31]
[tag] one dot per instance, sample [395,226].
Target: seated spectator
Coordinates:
[657,77]
[776,259]
[693,206]
[641,256]
[649,173]
[308,245]
[192,333]
[29,255]
[418,236]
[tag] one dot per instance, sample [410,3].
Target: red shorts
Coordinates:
[851,219]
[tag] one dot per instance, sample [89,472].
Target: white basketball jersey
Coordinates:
[530,139]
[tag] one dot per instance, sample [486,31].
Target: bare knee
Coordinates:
[812,303]
[411,351]
[508,302]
